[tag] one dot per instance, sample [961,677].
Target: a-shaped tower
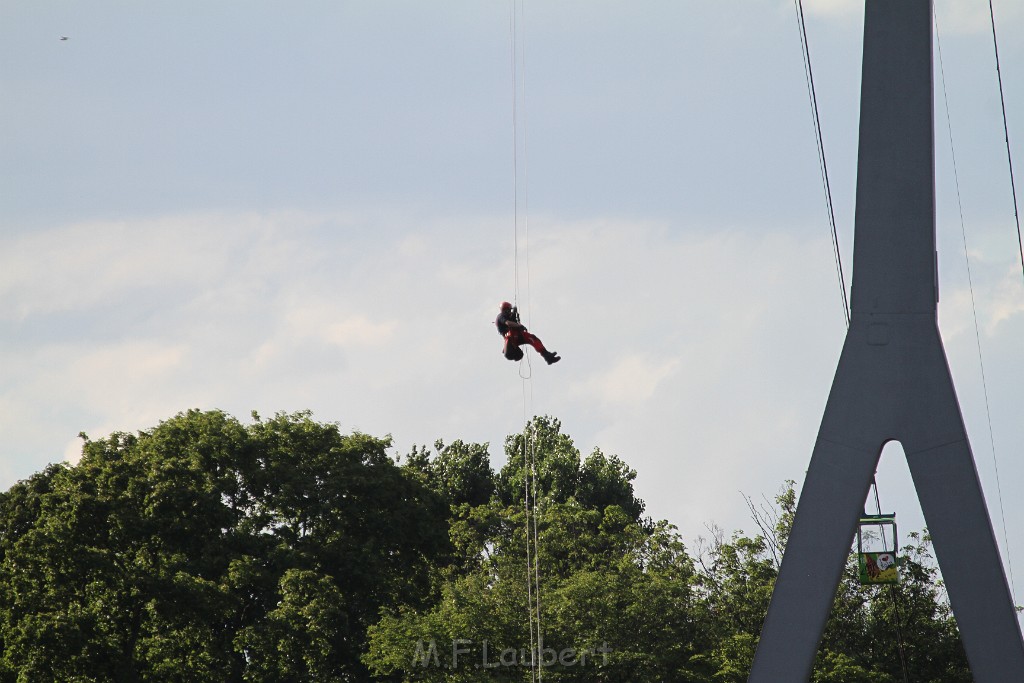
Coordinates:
[893,384]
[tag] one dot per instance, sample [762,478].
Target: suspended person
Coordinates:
[515,335]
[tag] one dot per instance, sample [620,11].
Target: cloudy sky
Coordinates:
[312,205]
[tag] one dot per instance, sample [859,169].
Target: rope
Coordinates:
[819,140]
[532,536]
[517,55]
[515,150]
[1006,134]
[812,96]
[525,362]
[517,58]
[534,637]
[823,167]
[974,308]
[892,595]
[526,161]
[536,559]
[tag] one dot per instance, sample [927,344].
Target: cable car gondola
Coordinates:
[877,548]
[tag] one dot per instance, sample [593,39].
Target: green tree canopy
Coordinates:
[205,550]
[561,475]
[283,550]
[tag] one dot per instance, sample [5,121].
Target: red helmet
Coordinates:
[505,305]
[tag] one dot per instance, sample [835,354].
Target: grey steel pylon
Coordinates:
[893,383]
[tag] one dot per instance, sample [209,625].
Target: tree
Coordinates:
[561,475]
[909,624]
[298,639]
[284,550]
[460,473]
[872,631]
[615,590]
[205,550]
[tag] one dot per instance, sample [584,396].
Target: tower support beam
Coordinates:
[892,384]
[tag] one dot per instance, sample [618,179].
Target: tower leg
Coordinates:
[893,383]
[830,504]
[954,509]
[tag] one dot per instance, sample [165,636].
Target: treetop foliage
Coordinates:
[205,549]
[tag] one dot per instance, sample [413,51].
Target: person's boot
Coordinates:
[551,357]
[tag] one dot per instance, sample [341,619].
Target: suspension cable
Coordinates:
[823,167]
[974,308]
[1006,134]
[893,596]
[819,139]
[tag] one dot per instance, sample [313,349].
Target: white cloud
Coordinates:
[329,325]
[97,263]
[703,358]
[73,451]
[698,356]
[630,381]
[956,17]
[1006,299]
[837,9]
[63,388]
[994,295]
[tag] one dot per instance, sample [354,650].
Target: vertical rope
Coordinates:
[534,636]
[517,22]
[521,31]
[517,54]
[529,509]
[537,567]
[515,149]
[974,308]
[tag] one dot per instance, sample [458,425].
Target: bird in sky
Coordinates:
[63,37]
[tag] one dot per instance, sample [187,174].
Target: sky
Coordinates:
[259,206]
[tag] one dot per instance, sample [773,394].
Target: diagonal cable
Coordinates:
[974,308]
[1006,134]
[823,167]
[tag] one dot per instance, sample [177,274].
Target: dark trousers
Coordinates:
[515,338]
